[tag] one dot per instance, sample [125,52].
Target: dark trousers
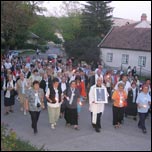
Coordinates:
[118,114]
[109,92]
[34,118]
[142,118]
[71,116]
[98,122]
[63,106]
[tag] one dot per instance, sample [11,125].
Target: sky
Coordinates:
[123,9]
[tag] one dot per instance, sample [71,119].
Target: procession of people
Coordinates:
[62,90]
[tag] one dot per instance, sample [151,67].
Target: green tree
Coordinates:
[84,49]
[45,27]
[71,8]
[70,27]
[96,18]
[16,17]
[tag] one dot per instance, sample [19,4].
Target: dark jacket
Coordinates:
[76,96]
[43,84]
[130,96]
[52,94]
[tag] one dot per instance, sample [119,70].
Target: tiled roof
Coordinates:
[128,37]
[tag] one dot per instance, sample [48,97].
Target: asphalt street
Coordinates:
[127,138]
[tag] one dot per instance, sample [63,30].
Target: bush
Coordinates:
[10,142]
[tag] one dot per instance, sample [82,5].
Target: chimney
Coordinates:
[143,17]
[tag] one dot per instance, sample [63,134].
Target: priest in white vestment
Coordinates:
[97,108]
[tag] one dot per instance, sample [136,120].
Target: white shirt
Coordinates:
[63,87]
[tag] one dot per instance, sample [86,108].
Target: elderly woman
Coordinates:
[143,102]
[9,88]
[53,96]
[119,97]
[71,113]
[34,102]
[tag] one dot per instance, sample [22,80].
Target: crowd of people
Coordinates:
[62,90]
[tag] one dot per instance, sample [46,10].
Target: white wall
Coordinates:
[133,59]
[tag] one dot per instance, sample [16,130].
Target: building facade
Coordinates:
[128,45]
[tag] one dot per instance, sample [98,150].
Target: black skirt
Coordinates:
[9,101]
[71,116]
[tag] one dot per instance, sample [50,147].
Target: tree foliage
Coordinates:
[95,22]
[71,8]
[96,18]
[70,27]
[16,17]
[84,49]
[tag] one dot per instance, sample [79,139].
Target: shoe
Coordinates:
[116,126]
[135,118]
[144,131]
[97,129]
[76,127]
[11,111]
[24,113]
[55,124]
[68,125]
[52,126]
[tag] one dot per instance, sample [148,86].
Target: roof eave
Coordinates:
[126,49]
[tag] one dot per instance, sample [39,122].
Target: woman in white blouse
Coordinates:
[9,94]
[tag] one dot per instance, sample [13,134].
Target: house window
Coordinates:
[125,58]
[109,57]
[142,61]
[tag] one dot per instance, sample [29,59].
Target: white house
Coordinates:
[128,45]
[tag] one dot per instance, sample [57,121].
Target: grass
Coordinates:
[10,142]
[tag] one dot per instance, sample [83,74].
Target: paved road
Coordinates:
[127,138]
[52,50]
